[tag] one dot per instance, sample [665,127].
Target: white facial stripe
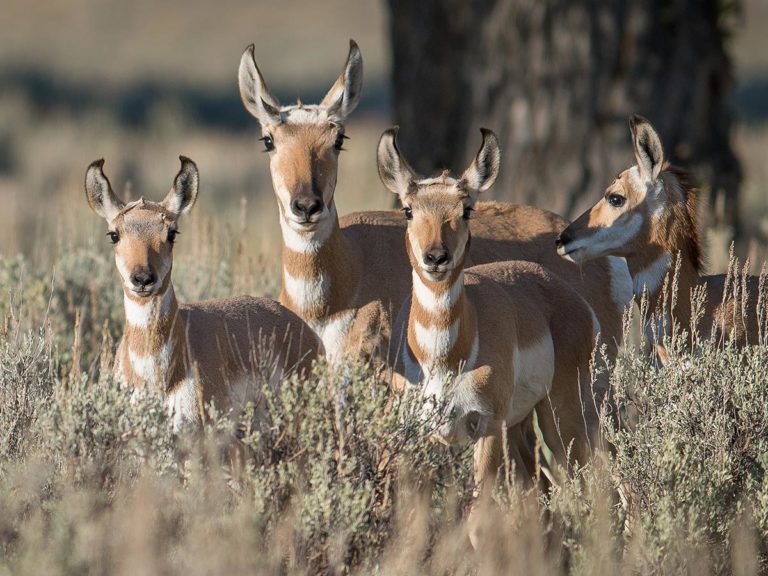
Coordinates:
[534,368]
[140,314]
[436,342]
[652,276]
[621,282]
[302,241]
[605,240]
[307,293]
[333,332]
[433,302]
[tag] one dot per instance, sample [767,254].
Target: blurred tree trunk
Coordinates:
[557,81]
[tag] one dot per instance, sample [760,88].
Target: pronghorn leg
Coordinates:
[488,457]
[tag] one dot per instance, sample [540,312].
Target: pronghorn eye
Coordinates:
[269,145]
[114,237]
[408,213]
[339,144]
[467,211]
[172,235]
[616,201]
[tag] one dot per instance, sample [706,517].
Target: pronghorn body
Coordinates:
[347,277]
[216,351]
[648,215]
[495,341]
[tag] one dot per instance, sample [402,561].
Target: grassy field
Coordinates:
[342,480]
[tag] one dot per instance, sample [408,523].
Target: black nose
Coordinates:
[437,256]
[143,278]
[563,238]
[306,206]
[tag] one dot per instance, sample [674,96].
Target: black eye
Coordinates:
[408,213]
[269,145]
[616,201]
[172,235]
[114,237]
[467,211]
[339,144]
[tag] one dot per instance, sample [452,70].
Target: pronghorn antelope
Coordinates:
[345,277]
[496,341]
[648,216]
[195,354]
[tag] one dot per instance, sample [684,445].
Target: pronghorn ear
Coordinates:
[484,170]
[394,171]
[345,93]
[256,97]
[649,152]
[183,195]
[98,191]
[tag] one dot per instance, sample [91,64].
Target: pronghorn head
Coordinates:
[438,209]
[620,222]
[303,141]
[142,232]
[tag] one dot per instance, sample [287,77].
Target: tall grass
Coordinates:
[343,476]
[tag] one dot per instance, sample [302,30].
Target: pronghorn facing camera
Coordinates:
[218,351]
[495,341]
[346,277]
[648,215]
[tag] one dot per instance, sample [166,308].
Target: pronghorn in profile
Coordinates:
[648,216]
[495,341]
[195,354]
[346,277]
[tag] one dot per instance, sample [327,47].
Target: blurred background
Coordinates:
[141,82]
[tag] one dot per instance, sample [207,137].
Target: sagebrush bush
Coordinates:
[340,475]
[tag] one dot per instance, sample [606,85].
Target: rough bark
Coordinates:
[557,80]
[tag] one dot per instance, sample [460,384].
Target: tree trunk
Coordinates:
[557,81]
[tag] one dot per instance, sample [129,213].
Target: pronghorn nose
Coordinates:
[143,278]
[563,238]
[437,256]
[306,206]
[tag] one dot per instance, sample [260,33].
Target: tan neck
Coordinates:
[442,325]
[321,271]
[153,344]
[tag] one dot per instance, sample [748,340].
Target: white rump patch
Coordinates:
[534,368]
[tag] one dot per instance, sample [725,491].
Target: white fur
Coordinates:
[650,189]
[534,368]
[297,239]
[181,404]
[306,293]
[436,342]
[652,276]
[621,282]
[433,302]
[140,314]
[153,369]
[333,332]
[604,240]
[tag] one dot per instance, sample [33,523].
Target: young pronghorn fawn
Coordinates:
[495,341]
[195,354]
[345,277]
[648,216]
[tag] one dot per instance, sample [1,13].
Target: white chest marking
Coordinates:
[152,368]
[307,293]
[181,404]
[333,332]
[436,342]
[534,368]
[621,282]
[652,276]
[139,315]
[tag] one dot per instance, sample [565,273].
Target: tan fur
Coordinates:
[359,257]
[512,309]
[216,351]
[667,237]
